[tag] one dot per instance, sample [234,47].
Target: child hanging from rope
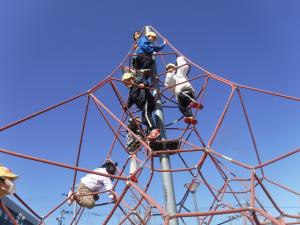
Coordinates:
[145,49]
[93,183]
[7,178]
[140,95]
[178,83]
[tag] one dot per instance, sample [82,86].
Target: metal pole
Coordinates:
[192,187]
[169,195]
[74,209]
[74,213]
[196,207]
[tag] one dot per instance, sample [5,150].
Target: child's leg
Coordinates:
[143,62]
[133,61]
[132,143]
[189,96]
[138,62]
[84,197]
[148,63]
[147,115]
[149,107]
[133,164]
[183,103]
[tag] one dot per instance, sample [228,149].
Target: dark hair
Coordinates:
[133,35]
[110,167]
[132,124]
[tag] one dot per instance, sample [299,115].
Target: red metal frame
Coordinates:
[139,192]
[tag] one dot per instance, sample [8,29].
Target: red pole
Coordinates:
[27,207]
[81,139]
[40,112]
[8,213]
[221,118]
[59,164]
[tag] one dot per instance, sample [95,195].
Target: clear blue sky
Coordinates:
[53,50]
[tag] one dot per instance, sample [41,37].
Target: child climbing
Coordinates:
[140,95]
[86,193]
[136,35]
[145,49]
[7,178]
[135,125]
[178,83]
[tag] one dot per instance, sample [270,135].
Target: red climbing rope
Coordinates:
[145,206]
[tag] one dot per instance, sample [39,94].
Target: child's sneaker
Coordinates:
[196,105]
[153,134]
[144,72]
[70,198]
[133,178]
[190,120]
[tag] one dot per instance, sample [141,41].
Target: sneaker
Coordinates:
[196,105]
[153,134]
[133,178]
[190,120]
[144,72]
[70,198]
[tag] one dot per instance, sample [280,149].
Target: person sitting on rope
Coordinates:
[86,193]
[145,49]
[7,178]
[178,83]
[140,95]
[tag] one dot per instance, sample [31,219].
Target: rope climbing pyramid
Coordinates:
[216,168]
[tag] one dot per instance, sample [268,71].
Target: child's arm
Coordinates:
[128,104]
[183,67]
[143,83]
[146,45]
[160,47]
[141,86]
[108,186]
[169,81]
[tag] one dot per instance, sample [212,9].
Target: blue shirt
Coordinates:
[146,47]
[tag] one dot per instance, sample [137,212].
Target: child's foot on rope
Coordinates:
[153,134]
[145,72]
[133,178]
[196,105]
[135,72]
[190,120]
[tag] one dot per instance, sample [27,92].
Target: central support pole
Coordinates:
[167,179]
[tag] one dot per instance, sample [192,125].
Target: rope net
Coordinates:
[235,181]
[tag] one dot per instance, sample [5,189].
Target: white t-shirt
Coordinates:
[98,183]
[179,80]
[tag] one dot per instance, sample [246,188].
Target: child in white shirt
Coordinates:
[92,183]
[178,83]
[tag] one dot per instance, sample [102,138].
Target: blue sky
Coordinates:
[53,50]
